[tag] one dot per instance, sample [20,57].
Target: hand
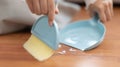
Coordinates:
[45,7]
[104,8]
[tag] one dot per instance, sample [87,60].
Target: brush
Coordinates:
[44,39]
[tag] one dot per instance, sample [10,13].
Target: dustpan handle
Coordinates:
[96,17]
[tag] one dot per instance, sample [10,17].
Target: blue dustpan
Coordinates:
[84,35]
[47,34]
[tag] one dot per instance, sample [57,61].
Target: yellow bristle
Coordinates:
[38,49]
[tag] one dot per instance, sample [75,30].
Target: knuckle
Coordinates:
[106,4]
[44,11]
[38,12]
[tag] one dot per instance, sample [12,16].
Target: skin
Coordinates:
[104,8]
[43,7]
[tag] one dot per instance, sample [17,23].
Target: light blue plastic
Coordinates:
[44,32]
[84,35]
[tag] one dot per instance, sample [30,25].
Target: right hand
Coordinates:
[45,7]
[104,8]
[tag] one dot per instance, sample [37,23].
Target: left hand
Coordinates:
[104,8]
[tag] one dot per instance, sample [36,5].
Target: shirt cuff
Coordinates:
[88,2]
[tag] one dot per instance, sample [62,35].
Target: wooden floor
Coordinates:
[107,54]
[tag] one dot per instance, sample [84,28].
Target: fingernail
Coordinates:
[50,24]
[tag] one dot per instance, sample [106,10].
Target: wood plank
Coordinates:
[107,54]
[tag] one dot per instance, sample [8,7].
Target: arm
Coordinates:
[103,7]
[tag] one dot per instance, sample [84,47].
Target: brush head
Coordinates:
[38,49]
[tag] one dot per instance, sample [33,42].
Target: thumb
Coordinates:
[91,11]
[56,10]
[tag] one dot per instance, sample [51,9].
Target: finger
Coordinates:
[36,5]
[51,13]
[108,14]
[111,7]
[91,13]
[43,4]
[56,10]
[107,11]
[91,10]
[102,15]
[30,5]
